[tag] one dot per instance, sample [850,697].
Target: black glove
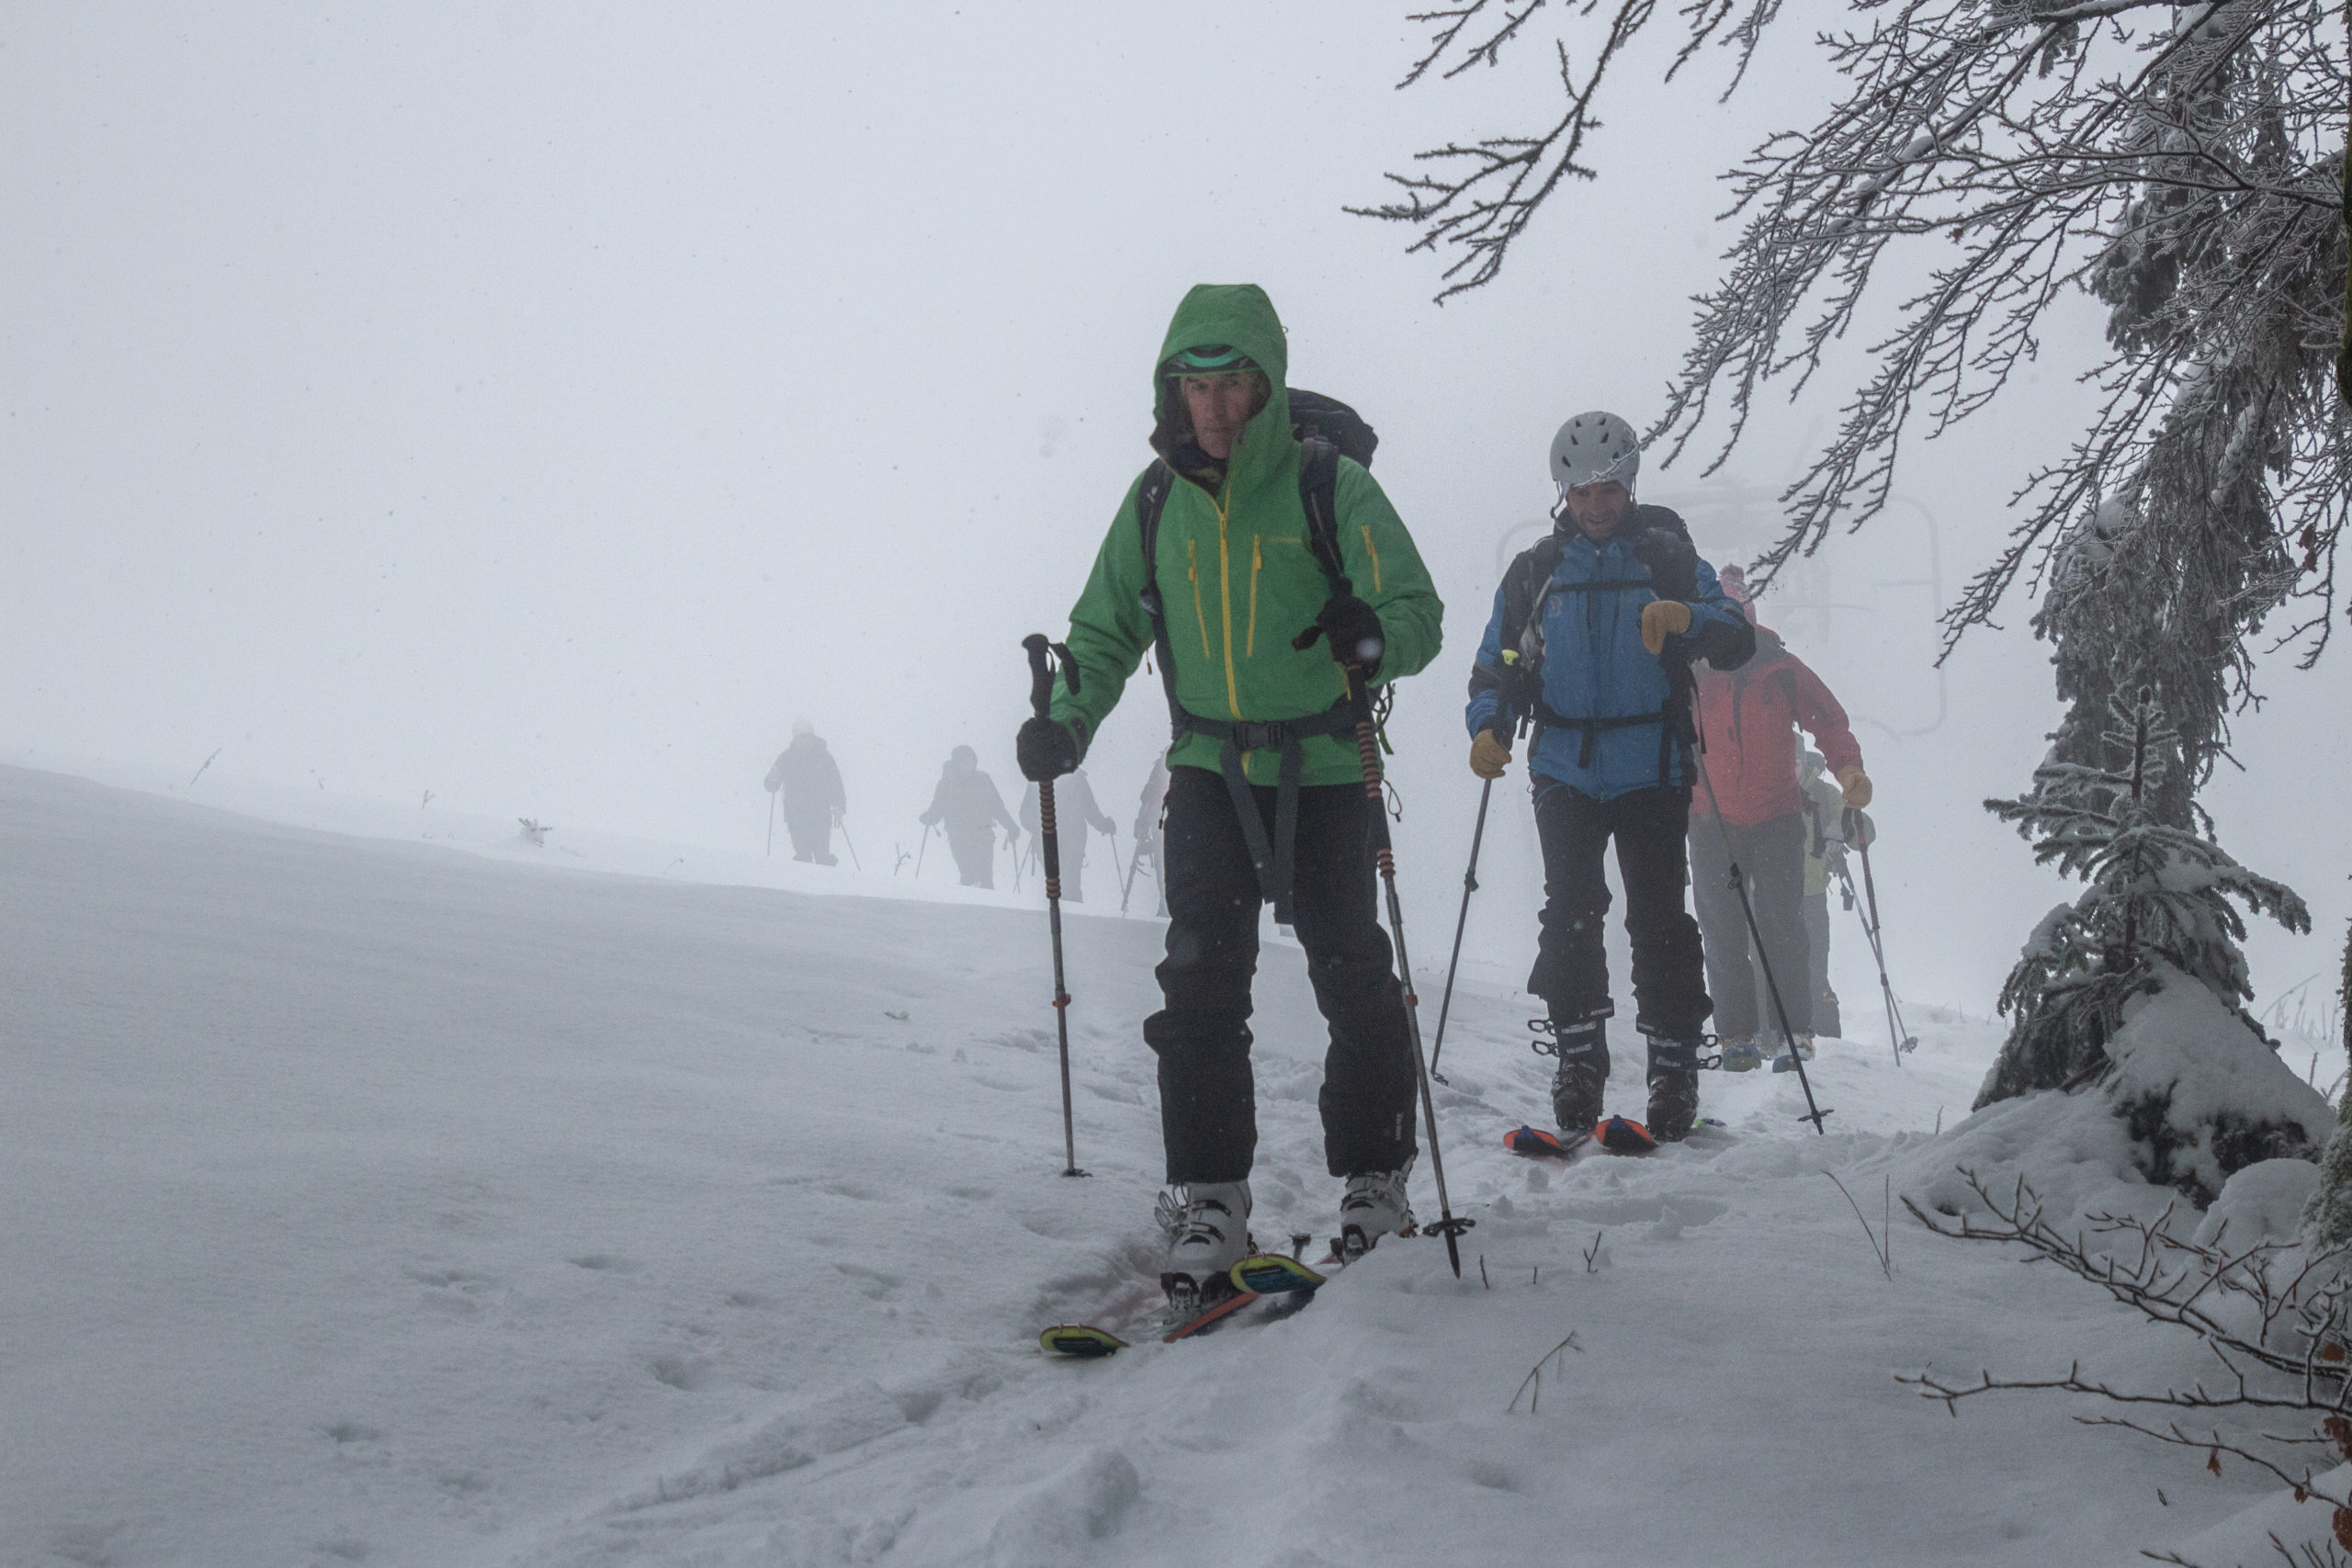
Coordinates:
[1353,631]
[1046,750]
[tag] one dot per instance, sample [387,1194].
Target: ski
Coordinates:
[1623,1135]
[1537,1144]
[1274,1274]
[1080,1341]
[1085,1341]
[1282,1285]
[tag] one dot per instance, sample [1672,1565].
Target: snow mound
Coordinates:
[2263,1201]
[2191,1098]
[2203,1096]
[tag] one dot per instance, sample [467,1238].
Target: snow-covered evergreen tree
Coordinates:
[2328,1221]
[2158,911]
[2158,893]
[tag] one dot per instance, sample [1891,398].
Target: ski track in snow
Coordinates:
[371,1202]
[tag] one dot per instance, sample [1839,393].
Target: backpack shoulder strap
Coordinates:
[1318,493]
[1524,583]
[1520,680]
[1151,500]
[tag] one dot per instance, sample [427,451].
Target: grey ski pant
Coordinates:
[1772,859]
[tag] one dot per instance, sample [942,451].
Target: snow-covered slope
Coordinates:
[367,1201]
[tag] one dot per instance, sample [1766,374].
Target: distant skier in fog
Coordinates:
[1149,809]
[1748,720]
[966,804]
[1074,812]
[813,800]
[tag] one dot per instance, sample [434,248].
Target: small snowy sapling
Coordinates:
[2157,911]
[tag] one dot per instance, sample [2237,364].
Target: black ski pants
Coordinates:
[1208,1104]
[1772,859]
[1571,971]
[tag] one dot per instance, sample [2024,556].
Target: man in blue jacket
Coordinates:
[1591,638]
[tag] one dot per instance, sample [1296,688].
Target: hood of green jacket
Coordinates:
[1239,315]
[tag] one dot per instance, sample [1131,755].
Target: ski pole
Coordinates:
[1469,886]
[1900,1037]
[1041,697]
[1461,923]
[847,842]
[921,849]
[771,823]
[1384,856]
[1127,884]
[1756,934]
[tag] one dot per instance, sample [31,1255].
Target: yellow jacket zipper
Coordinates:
[1225,595]
[1193,570]
[1256,560]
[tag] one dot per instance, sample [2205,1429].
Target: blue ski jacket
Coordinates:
[1592,664]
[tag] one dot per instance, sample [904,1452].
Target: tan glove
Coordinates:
[1662,618]
[1489,756]
[1856,783]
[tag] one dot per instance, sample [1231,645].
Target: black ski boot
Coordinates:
[1674,1088]
[1579,1081]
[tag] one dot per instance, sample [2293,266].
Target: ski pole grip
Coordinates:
[1041,672]
[1041,675]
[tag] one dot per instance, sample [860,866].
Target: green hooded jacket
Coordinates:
[1238,578]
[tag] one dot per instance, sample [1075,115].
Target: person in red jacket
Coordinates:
[1751,808]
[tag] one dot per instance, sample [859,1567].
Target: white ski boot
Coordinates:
[1375,1207]
[1208,1232]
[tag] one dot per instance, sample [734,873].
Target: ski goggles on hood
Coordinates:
[1208,360]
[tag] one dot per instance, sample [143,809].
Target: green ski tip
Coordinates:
[1081,1340]
[1271,1274]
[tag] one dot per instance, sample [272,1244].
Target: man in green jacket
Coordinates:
[1266,800]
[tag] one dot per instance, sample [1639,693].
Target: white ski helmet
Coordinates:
[1596,446]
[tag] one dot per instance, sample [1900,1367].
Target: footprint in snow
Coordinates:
[689,1374]
[877,1284]
[449,1279]
[856,1189]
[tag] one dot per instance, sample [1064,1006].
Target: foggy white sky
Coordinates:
[543,405]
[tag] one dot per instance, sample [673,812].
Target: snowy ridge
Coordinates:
[375,1203]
